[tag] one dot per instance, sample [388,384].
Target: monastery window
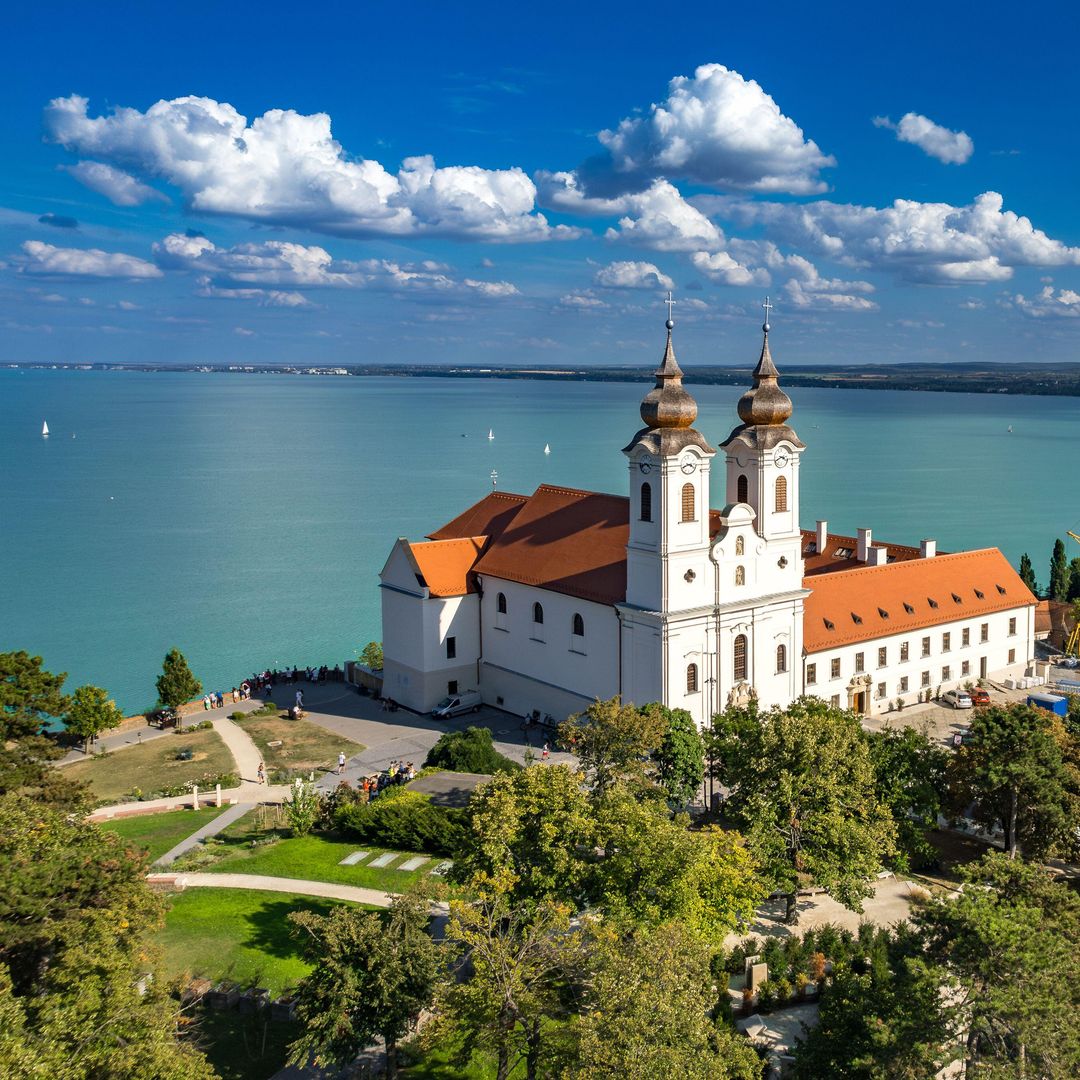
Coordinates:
[926,678]
[882,657]
[925,646]
[688,502]
[781,659]
[946,673]
[740,546]
[1012,627]
[946,642]
[500,604]
[984,632]
[811,674]
[1012,656]
[742,489]
[860,662]
[578,627]
[835,667]
[691,679]
[740,658]
[965,669]
[881,691]
[902,686]
[451,648]
[903,652]
[965,636]
[646,502]
[538,614]
[835,701]
[781,494]
[740,575]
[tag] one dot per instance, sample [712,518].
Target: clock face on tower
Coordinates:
[688,467]
[781,458]
[645,467]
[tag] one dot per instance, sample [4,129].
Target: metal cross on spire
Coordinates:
[670,304]
[768,307]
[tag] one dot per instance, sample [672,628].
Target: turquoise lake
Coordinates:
[245,518]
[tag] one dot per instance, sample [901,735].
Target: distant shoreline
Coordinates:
[1060,380]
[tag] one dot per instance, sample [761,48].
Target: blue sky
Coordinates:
[330,184]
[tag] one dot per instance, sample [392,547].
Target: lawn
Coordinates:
[314,858]
[237,934]
[153,765]
[304,745]
[158,833]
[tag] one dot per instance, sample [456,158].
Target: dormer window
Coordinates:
[932,602]
[908,608]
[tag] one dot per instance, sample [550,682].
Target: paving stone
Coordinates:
[354,858]
[385,859]
[414,863]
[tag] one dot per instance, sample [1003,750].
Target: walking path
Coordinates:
[212,828]
[265,883]
[243,749]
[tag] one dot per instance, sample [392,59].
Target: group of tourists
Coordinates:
[397,772]
[215,700]
[268,679]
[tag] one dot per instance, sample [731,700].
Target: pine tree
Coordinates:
[1027,573]
[176,685]
[1074,579]
[1059,572]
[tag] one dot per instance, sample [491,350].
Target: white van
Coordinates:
[456,704]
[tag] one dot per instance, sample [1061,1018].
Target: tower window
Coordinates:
[740,658]
[691,679]
[742,490]
[740,545]
[500,603]
[740,575]
[781,658]
[688,501]
[781,493]
[538,614]
[578,628]
[646,502]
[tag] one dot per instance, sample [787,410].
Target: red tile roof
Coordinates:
[823,562]
[873,601]
[446,565]
[488,517]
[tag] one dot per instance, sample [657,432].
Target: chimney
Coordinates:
[928,549]
[879,556]
[864,545]
[822,536]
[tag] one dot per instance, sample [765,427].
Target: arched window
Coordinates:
[500,603]
[538,613]
[688,501]
[740,658]
[691,679]
[578,626]
[781,658]
[742,489]
[646,502]
[781,493]
[740,546]
[740,575]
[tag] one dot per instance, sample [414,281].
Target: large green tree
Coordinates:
[1013,771]
[176,685]
[614,740]
[1074,578]
[374,973]
[680,758]
[90,713]
[804,793]
[1027,573]
[645,1011]
[909,771]
[1059,572]
[81,995]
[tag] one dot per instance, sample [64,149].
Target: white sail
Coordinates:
[547,448]
[45,428]
[491,434]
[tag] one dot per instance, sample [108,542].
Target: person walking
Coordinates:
[341,762]
[262,773]
[546,754]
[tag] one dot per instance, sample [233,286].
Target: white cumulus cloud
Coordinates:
[50,261]
[949,147]
[714,128]
[1064,303]
[116,185]
[633,275]
[285,168]
[721,267]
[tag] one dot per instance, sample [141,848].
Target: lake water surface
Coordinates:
[245,518]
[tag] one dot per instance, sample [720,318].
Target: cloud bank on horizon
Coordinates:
[714,183]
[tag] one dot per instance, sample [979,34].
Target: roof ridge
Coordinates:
[950,556]
[560,489]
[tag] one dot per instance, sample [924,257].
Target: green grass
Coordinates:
[158,833]
[237,934]
[153,765]
[244,1047]
[304,745]
[314,858]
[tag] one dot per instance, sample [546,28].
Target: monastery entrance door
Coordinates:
[858,702]
[859,694]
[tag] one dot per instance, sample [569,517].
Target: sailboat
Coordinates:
[44,429]
[547,448]
[1010,429]
[491,435]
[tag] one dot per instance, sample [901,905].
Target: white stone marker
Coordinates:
[414,863]
[385,859]
[354,858]
[195,797]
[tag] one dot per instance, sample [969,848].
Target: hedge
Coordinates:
[404,820]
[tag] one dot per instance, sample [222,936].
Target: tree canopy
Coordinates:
[614,740]
[176,685]
[90,713]
[680,757]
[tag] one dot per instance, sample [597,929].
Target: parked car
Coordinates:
[980,697]
[958,699]
[456,704]
[1069,662]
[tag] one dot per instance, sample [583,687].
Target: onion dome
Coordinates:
[668,404]
[765,405]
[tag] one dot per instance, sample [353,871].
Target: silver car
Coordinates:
[958,699]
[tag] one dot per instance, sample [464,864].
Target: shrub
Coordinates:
[747,1000]
[405,820]
[802,981]
[471,750]
[783,991]
[302,808]
[817,966]
[766,995]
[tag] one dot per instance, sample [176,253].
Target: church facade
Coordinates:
[550,600]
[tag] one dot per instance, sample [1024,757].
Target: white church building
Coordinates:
[550,600]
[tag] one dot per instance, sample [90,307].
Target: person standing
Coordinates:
[261,776]
[341,762]
[546,754]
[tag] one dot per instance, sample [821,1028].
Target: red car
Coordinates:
[980,697]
